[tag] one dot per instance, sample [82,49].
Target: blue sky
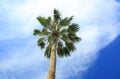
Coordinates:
[20,58]
[107,65]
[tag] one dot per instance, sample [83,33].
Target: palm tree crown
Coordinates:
[61,30]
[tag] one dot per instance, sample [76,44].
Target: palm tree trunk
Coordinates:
[52,66]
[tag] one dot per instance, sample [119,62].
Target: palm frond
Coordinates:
[42,45]
[73,37]
[43,21]
[45,32]
[60,44]
[63,31]
[73,27]
[66,21]
[36,32]
[70,46]
[56,15]
[66,51]
[48,51]
[60,52]
[65,38]
[50,40]
[41,42]
[63,51]
[59,49]
[49,20]
[78,39]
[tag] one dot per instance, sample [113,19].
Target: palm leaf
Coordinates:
[48,51]
[78,39]
[50,39]
[59,49]
[43,21]
[48,20]
[66,21]
[73,37]
[41,42]
[60,44]
[56,15]
[70,46]
[42,45]
[66,51]
[45,32]
[65,38]
[64,31]
[36,32]
[73,28]
[60,52]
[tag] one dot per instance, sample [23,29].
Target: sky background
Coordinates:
[107,65]
[96,57]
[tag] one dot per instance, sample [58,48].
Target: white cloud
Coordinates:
[99,26]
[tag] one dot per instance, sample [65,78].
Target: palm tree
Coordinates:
[57,36]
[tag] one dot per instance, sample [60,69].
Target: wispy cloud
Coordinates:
[20,56]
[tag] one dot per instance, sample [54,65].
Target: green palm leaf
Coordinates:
[45,31]
[70,46]
[56,15]
[59,49]
[66,51]
[73,37]
[66,21]
[60,52]
[36,32]
[50,40]
[73,28]
[48,20]
[42,21]
[41,43]
[65,38]
[64,31]
[48,51]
